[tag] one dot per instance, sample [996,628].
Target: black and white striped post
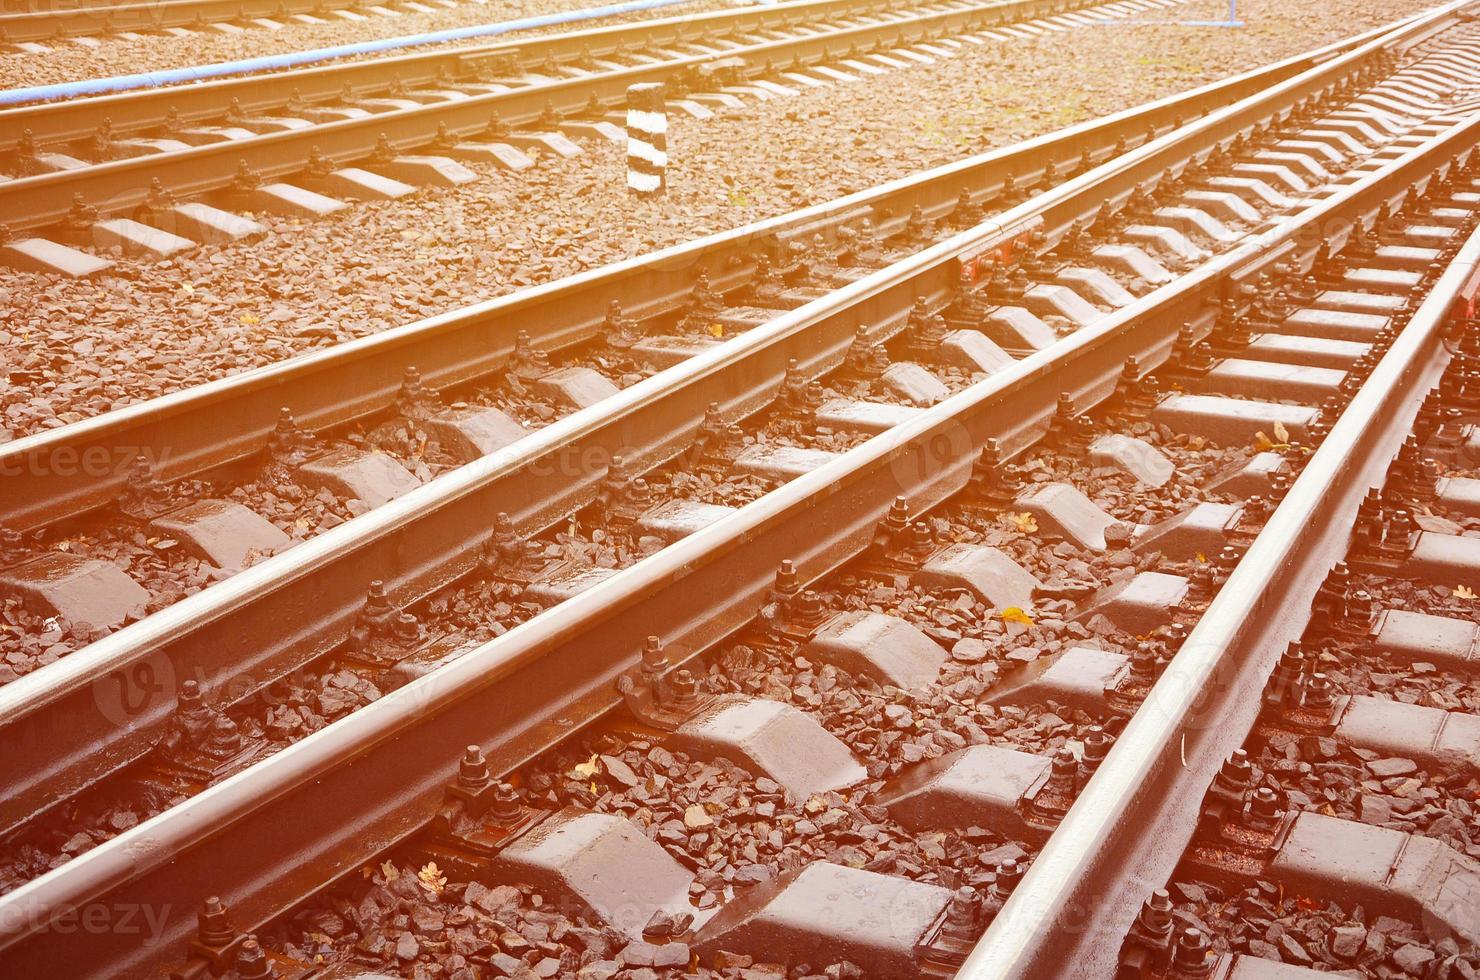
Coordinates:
[647,139]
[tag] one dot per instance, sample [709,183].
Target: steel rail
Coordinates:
[76,119]
[209,426]
[119,186]
[292,824]
[79,20]
[88,714]
[1128,828]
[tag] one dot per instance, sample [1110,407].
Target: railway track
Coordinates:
[37,31]
[116,170]
[1216,225]
[239,635]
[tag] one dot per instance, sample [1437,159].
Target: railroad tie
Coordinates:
[647,139]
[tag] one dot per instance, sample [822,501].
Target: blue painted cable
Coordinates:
[122,83]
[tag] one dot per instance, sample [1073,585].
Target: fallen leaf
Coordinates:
[1202,559]
[250,319]
[432,878]
[1012,614]
[389,870]
[716,330]
[1024,522]
[587,769]
[1463,592]
[1281,433]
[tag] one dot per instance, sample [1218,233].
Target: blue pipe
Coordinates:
[121,83]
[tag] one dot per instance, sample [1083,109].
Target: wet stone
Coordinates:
[1140,604]
[80,590]
[427,170]
[601,861]
[502,154]
[1134,456]
[915,384]
[664,352]
[134,238]
[1251,478]
[1418,636]
[850,415]
[1334,325]
[1077,679]
[675,519]
[1230,421]
[578,387]
[1016,328]
[781,463]
[1063,509]
[209,225]
[972,350]
[827,913]
[565,581]
[356,184]
[471,432]
[1390,872]
[44,255]
[989,573]
[980,786]
[289,200]
[221,532]
[1061,301]
[1201,530]
[1130,260]
[353,473]
[775,740]
[886,648]
[1098,286]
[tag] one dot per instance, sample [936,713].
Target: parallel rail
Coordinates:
[83,21]
[120,186]
[142,109]
[266,838]
[194,431]
[88,714]
[1072,910]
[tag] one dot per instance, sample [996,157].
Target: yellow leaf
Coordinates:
[389,870]
[1202,559]
[716,330]
[1012,614]
[1281,433]
[431,878]
[186,289]
[1463,592]
[587,769]
[1262,443]
[1024,522]
[250,319]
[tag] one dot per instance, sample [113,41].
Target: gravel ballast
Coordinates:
[87,347]
[121,56]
